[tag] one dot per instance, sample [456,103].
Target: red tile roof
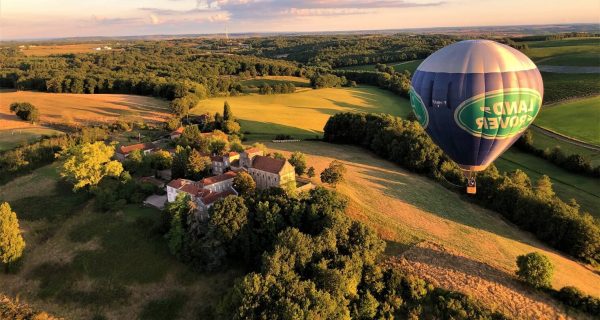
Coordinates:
[268,164]
[253,150]
[214,196]
[138,146]
[178,131]
[187,186]
[232,154]
[222,177]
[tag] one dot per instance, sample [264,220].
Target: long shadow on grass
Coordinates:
[272,129]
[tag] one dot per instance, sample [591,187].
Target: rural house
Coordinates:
[221,163]
[269,172]
[248,155]
[124,151]
[205,192]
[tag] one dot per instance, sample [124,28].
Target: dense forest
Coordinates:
[349,50]
[160,69]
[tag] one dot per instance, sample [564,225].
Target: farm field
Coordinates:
[46,50]
[398,66]
[12,138]
[445,239]
[80,108]
[303,114]
[579,119]
[542,141]
[585,190]
[566,86]
[539,50]
[83,264]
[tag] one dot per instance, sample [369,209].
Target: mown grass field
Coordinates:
[80,108]
[542,141]
[539,50]
[579,119]
[450,240]
[304,113]
[585,190]
[81,264]
[271,80]
[46,50]
[15,137]
[398,66]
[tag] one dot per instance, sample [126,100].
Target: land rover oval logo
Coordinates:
[499,114]
[418,108]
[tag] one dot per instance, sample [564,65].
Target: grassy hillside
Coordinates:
[545,49]
[542,141]
[579,119]
[450,240]
[80,263]
[303,114]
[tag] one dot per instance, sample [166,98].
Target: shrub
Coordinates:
[25,110]
[535,269]
[572,297]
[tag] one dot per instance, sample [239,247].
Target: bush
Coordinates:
[572,297]
[535,269]
[25,110]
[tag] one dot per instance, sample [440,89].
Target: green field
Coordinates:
[542,141]
[84,264]
[539,50]
[565,86]
[576,59]
[15,137]
[579,119]
[398,66]
[271,80]
[304,113]
[585,190]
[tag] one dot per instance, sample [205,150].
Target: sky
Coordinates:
[23,19]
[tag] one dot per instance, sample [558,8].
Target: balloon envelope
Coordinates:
[475,98]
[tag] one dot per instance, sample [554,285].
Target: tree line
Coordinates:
[533,207]
[575,163]
[304,259]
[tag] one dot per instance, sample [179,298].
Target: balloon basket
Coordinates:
[471,182]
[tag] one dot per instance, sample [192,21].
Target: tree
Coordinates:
[161,160]
[11,240]
[231,127]
[334,173]
[218,145]
[227,114]
[88,163]
[543,188]
[260,146]
[310,172]
[179,107]
[198,166]
[244,183]
[179,211]
[228,218]
[180,162]
[25,110]
[535,269]
[298,160]
[278,155]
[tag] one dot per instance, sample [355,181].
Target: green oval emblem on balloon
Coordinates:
[419,109]
[499,114]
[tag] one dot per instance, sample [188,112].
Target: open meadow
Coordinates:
[579,119]
[304,113]
[433,232]
[83,264]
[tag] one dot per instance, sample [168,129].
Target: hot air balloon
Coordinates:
[475,98]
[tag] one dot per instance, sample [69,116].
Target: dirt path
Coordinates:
[569,69]
[566,139]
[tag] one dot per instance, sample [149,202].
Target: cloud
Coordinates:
[252,9]
[153,19]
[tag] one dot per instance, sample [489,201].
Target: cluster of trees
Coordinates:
[112,193]
[31,156]
[26,111]
[574,163]
[397,82]
[306,259]
[146,68]
[286,87]
[334,173]
[534,208]
[348,50]
[536,270]
[328,80]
